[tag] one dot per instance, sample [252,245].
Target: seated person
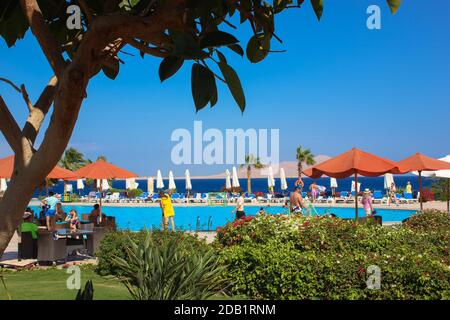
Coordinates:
[72,218]
[95,214]
[60,214]
[28,225]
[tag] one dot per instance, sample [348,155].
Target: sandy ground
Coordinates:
[11,251]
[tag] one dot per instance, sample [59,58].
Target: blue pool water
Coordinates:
[209,218]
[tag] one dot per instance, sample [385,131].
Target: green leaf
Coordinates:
[234,84]
[111,71]
[216,39]
[15,26]
[203,85]
[187,47]
[169,66]
[394,5]
[318,8]
[258,48]
[237,48]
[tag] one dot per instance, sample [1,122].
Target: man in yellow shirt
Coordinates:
[167,210]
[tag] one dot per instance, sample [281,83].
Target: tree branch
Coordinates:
[51,49]
[87,11]
[9,127]
[148,50]
[11,83]
[26,98]
[39,111]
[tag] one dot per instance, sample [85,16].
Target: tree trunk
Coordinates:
[299,169]
[31,169]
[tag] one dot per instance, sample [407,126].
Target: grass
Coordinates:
[50,284]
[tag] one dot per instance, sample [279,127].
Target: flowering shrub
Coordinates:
[427,195]
[292,257]
[429,220]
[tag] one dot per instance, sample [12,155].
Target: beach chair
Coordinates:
[204,197]
[400,199]
[377,196]
[176,197]
[409,198]
[343,197]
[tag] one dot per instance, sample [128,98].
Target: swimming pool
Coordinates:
[209,218]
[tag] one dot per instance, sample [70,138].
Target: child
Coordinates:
[72,218]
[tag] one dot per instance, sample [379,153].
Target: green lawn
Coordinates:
[50,284]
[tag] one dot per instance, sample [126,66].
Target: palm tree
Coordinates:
[72,160]
[303,156]
[251,162]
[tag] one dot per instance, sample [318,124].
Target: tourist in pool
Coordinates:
[314,191]
[393,194]
[296,201]
[261,212]
[408,188]
[50,214]
[367,202]
[240,213]
[167,211]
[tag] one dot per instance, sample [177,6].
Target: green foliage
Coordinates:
[73,160]
[328,258]
[440,189]
[115,242]
[430,221]
[169,268]
[87,293]
[4,286]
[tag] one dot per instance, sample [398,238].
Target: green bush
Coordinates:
[115,243]
[165,267]
[429,220]
[292,257]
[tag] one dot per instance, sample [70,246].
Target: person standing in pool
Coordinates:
[314,191]
[167,211]
[240,213]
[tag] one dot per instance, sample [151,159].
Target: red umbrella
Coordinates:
[353,162]
[103,170]
[7,167]
[419,162]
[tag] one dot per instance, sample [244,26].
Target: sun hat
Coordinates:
[26,215]
[367,190]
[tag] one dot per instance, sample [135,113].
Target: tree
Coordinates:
[251,162]
[73,160]
[174,31]
[303,156]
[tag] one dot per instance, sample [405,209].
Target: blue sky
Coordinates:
[338,85]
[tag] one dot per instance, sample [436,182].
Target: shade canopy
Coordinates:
[7,167]
[333,183]
[270,178]
[235,179]
[159,180]
[439,173]
[353,162]
[187,175]
[150,184]
[283,182]
[101,169]
[420,162]
[172,185]
[227,180]
[388,180]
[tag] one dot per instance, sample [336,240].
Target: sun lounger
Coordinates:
[343,197]
[409,198]
[378,197]
[204,197]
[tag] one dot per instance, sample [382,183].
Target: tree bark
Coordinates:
[69,90]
